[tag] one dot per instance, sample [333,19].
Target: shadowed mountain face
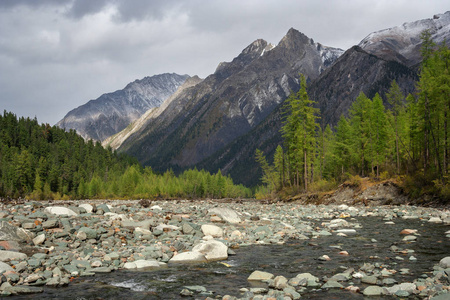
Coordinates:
[112,112]
[229,103]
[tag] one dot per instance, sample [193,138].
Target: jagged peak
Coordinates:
[256,47]
[292,37]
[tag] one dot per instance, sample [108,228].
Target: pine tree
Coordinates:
[299,132]
[396,98]
[378,127]
[360,123]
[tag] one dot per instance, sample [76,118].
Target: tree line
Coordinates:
[38,161]
[410,140]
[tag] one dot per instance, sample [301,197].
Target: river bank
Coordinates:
[48,245]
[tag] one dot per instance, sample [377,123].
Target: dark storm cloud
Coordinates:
[58,54]
[81,8]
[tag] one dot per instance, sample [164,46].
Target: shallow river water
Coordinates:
[290,259]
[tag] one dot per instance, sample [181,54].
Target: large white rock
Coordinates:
[212,230]
[445,262]
[89,208]
[213,250]
[60,210]
[188,257]
[227,214]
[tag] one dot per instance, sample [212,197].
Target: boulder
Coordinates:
[227,214]
[213,250]
[188,257]
[445,262]
[212,230]
[60,211]
[89,208]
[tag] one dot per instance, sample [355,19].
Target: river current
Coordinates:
[371,244]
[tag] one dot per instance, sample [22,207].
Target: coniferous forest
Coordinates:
[44,162]
[409,142]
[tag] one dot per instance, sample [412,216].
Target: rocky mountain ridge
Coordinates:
[229,103]
[112,112]
[402,43]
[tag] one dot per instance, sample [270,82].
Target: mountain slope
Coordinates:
[115,141]
[230,102]
[112,112]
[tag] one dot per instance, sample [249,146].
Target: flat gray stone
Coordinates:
[90,233]
[6,255]
[23,289]
[332,284]
[5,267]
[140,264]
[369,279]
[373,291]
[8,232]
[260,276]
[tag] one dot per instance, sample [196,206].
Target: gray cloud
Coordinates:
[58,54]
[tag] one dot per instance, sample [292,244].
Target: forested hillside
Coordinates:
[38,161]
[410,141]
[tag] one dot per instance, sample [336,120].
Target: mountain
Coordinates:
[229,103]
[112,112]
[115,141]
[402,43]
[219,122]
[334,91]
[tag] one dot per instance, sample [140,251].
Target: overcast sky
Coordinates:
[56,55]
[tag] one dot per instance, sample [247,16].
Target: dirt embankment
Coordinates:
[366,193]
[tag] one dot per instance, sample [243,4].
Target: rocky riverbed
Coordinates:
[44,246]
